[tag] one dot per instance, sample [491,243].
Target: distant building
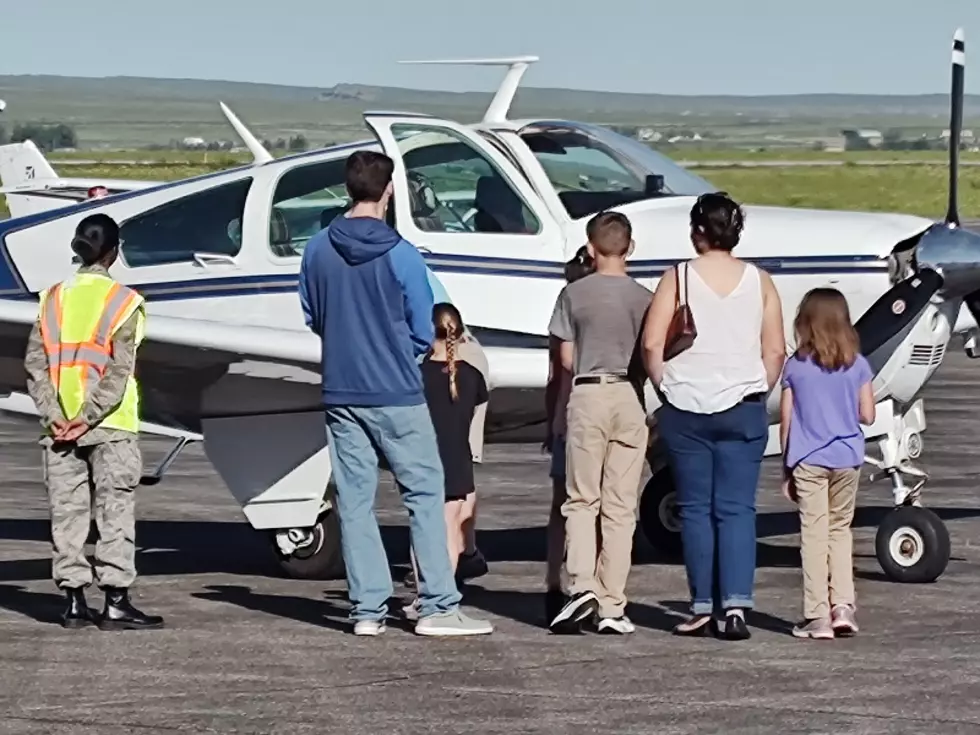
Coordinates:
[966,136]
[194,143]
[649,135]
[862,140]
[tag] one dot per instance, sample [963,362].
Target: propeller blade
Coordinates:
[956,123]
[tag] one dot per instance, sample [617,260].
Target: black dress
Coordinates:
[452,420]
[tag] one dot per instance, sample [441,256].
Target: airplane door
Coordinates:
[481,227]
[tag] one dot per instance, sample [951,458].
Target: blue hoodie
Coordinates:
[366,292]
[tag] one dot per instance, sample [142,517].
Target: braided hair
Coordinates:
[449,328]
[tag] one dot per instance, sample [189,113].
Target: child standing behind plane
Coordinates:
[598,320]
[827,394]
[556,406]
[453,391]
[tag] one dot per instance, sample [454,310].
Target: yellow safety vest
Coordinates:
[78,319]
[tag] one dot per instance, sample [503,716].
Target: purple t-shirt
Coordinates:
[825,430]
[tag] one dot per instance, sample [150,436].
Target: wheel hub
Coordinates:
[906,546]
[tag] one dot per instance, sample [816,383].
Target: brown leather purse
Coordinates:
[681,332]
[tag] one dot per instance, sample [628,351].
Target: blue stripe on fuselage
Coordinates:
[445,263]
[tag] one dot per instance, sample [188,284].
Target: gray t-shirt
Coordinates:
[603,316]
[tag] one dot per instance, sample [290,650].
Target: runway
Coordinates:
[247,651]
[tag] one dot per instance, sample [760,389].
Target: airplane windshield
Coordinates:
[593,168]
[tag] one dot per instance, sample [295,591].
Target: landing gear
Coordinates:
[912,544]
[658,513]
[311,553]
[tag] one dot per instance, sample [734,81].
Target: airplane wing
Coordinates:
[194,369]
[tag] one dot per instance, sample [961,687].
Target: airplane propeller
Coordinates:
[946,248]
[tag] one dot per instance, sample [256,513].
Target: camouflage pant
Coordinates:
[75,476]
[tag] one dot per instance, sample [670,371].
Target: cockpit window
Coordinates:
[307,199]
[203,223]
[593,168]
[454,187]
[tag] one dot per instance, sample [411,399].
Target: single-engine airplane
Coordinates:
[496,208]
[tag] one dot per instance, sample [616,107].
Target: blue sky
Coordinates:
[676,47]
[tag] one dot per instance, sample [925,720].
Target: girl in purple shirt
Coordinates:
[826,397]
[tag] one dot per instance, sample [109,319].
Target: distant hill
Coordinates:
[130,111]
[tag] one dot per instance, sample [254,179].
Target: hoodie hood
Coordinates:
[361,239]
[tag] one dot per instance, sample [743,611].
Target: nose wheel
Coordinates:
[912,545]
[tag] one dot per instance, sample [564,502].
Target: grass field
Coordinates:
[913,189]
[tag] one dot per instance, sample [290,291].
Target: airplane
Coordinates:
[228,361]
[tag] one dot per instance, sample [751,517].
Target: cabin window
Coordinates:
[306,200]
[455,187]
[206,222]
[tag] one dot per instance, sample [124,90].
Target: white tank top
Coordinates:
[724,365]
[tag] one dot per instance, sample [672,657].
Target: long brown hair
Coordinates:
[824,332]
[449,328]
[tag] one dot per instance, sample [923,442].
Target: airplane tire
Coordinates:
[658,513]
[912,545]
[321,559]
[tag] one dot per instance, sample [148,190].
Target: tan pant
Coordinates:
[827,500]
[606,443]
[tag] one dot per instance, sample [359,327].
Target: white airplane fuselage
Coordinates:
[505,285]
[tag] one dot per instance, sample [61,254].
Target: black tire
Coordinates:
[321,559]
[912,545]
[658,515]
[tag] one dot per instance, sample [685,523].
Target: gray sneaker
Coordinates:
[452,623]
[819,629]
[843,622]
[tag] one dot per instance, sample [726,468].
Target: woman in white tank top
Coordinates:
[714,422]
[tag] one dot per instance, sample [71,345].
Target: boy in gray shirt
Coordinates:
[598,320]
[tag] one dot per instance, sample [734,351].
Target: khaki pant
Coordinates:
[827,499]
[606,444]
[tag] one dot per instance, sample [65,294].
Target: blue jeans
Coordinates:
[404,434]
[716,460]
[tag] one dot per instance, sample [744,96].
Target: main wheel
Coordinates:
[318,554]
[912,545]
[658,513]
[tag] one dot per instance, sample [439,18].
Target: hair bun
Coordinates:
[85,248]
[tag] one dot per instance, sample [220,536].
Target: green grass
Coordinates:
[914,189]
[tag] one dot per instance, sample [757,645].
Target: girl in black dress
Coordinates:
[453,390]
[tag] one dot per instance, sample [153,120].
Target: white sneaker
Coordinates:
[369,627]
[452,623]
[620,626]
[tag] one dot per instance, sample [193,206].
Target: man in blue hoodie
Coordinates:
[365,291]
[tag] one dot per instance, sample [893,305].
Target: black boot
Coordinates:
[119,613]
[77,614]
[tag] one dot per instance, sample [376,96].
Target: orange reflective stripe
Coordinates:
[126,298]
[114,301]
[51,320]
[69,354]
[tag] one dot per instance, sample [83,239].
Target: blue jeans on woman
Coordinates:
[715,460]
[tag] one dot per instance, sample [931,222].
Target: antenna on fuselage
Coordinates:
[504,97]
[258,151]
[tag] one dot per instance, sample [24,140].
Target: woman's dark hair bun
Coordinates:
[718,219]
[96,236]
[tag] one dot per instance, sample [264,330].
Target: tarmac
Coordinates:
[247,651]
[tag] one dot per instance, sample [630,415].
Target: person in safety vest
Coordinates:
[80,363]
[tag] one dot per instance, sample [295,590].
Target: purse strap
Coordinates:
[677,285]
